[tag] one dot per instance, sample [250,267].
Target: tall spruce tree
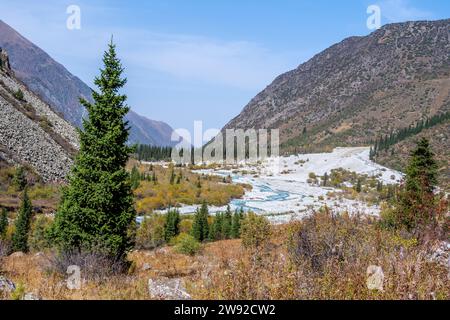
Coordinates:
[171,228]
[200,227]
[23,223]
[97,210]
[3,223]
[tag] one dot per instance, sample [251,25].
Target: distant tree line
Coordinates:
[385,142]
[146,152]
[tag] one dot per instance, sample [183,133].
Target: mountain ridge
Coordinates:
[361,89]
[357,89]
[55,85]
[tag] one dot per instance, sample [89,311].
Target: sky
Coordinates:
[189,60]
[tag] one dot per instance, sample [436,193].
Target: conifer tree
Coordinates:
[172,176]
[23,223]
[19,180]
[135,177]
[227,223]
[236,225]
[417,200]
[200,227]
[97,209]
[171,228]
[325,179]
[3,223]
[421,173]
[358,187]
[379,186]
[215,232]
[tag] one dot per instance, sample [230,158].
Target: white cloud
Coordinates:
[238,64]
[402,10]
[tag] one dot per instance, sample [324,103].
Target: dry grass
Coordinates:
[323,257]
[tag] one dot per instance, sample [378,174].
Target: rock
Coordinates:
[146,267]
[17,254]
[167,289]
[4,61]
[6,284]
[375,278]
[31,296]
[441,255]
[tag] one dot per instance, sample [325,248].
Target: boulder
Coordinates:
[375,278]
[146,267]
[31,296]
[167,289]
[18,254]
[6,285]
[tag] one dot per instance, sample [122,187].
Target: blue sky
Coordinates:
[204,59]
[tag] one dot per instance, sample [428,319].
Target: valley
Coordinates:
[356,206]
[280,188]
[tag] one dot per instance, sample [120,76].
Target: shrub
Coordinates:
[186,244]
[150,233]
[19,95]
[3,223]
[255,231]
[95,263]
[19,292]
[185,226]
[325,238]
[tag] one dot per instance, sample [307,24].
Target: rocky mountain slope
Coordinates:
[359,89]
[31,133]
[62,90]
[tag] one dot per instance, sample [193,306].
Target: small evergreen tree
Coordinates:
[97,207]
[171,229]
[379,186]
[23,223]
[325,179]
[19,180]
[200,227]
[135,178]
[236,225]
[227,223]
[19,95]
[3,223]
[172,176]
[215,232]
[358,187]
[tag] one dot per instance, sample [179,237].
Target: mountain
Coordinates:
[62,90]
[31,133]
[358,89]
[361,89]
